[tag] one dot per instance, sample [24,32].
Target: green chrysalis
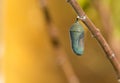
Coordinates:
[77,38]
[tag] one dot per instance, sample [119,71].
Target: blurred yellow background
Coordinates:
[28,53]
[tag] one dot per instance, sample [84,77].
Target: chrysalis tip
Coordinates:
[78,50]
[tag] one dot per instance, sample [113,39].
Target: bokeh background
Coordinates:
[28,56]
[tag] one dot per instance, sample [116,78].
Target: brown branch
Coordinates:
[96,33]
[59,50]
[105,17]
[108,25]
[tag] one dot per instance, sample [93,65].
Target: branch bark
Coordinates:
[108,25]
[105,17]
[97,34]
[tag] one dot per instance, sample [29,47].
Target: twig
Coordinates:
[59,50]
[96,33]
[105,17]
[108,25]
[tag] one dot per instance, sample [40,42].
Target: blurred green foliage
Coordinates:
[84,3]
[115,11]
[115,8]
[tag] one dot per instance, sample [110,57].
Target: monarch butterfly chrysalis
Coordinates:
[77,38]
